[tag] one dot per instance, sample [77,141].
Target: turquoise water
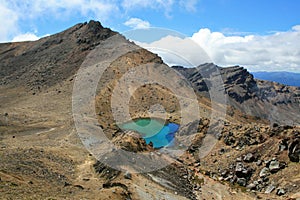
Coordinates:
[154,131]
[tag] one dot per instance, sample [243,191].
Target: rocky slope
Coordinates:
[42,156]
[264,99]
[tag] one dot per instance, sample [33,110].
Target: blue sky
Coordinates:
[214,24]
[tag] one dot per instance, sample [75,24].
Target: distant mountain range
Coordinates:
[286,78]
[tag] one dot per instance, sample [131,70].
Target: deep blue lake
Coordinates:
[152,130]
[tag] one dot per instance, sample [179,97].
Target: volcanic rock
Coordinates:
[294,151]
[274,166]
[264,172]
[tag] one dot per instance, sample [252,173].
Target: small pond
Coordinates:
[153,130]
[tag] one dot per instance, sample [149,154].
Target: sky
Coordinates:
[260,35]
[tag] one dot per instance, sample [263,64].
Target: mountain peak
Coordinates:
[94,26]
[51,53]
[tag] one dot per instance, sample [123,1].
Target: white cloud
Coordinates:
[137,23]
[178,51]
[279,51]
[214,44]
[296,28]
[189,5]
[12,13]
[102,9]
[25,37]
[157,4]
[132,4]
[165,5]
[61,8]
[9,20]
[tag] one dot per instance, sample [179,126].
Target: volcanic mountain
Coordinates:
[264,99]
[48,119]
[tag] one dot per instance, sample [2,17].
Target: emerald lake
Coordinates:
[153,130]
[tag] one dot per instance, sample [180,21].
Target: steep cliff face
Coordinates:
[264,99]
[239,83]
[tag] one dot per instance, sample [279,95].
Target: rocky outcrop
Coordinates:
[131,141]
[264,99]
[294,150]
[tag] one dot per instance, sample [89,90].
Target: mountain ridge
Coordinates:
[251,96]
[284,77]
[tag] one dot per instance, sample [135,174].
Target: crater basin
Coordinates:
[153,130]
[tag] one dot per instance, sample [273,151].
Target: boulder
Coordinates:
[251,186]
[239,159]
[283,145]
[259,163]
[249,157]
[280,191]
[264,172]
[241,182]
[274,166]
[241,171]
[294,151]
[127,175]
[229,140]
[269,189]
